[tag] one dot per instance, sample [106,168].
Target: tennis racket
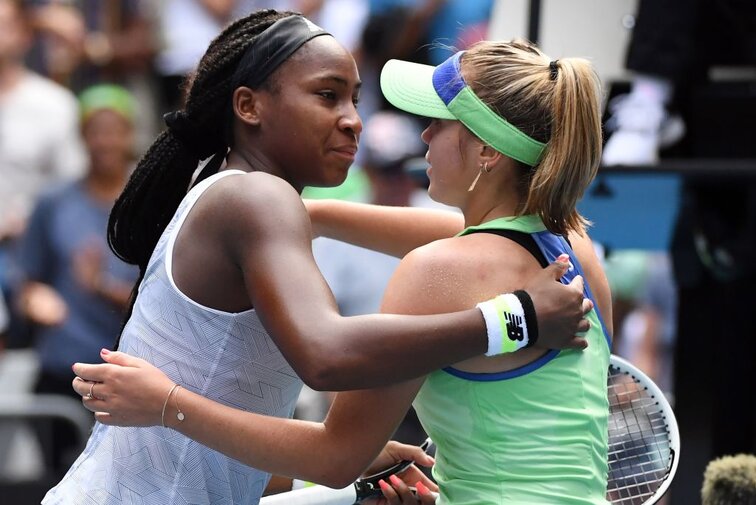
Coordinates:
[644,442]
[644,448]
[363,488]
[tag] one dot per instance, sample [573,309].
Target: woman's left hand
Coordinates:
[125,391]
[396,489]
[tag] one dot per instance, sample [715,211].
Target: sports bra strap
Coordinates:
[526,240]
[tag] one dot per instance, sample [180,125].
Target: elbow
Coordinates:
[323,373]
[340,479]
[341,475]
[344,481]
[329,359]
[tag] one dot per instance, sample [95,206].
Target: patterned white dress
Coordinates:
[226,357]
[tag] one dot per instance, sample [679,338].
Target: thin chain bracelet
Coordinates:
[179,415]
[165,404]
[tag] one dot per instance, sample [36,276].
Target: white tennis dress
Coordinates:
[226,357]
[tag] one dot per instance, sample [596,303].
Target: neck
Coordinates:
[253,160]
[489,202]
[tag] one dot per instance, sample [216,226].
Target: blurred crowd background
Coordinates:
[83,88]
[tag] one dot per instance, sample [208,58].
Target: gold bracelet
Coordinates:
[179,415]
[165,404]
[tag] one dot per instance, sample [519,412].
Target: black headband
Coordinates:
[272,47]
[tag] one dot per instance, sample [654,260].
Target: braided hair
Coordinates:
[161,178]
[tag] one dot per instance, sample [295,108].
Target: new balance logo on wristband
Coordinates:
[515,327]
[505,315]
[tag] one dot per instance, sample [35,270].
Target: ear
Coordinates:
[247,105]
[488,155]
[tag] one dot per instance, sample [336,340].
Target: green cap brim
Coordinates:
[409,87]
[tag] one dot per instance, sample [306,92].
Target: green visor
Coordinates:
[441,92]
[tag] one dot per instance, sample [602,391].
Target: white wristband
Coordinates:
[505,324]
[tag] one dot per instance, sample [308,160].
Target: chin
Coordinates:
[336,177]
[330,181]
[440,197]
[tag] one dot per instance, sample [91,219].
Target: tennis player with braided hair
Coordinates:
[231,305]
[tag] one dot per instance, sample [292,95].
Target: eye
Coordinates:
[356,100]
[328,95]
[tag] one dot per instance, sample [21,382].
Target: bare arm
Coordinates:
[333,453]
[391,230]
[294,302]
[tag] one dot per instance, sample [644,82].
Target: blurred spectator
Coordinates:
[435,25]
[730,480]
[74,289]
[414,30]
[644,310]
[673,45]
[345,19]
[84,42]
[39,135]
[80,43]
[188,26]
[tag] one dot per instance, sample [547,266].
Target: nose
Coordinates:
[426,135]
[351,121]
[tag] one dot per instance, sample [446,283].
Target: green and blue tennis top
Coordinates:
[533,435]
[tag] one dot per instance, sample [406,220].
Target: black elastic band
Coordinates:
[181,127]
[554,70]
[530,316]
[271,48]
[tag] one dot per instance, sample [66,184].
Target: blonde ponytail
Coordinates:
[573,151]
[557,103]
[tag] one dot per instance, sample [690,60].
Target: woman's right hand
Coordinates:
[560,309]
[396,492]
[127,391]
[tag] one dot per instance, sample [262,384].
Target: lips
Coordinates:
[346,153]
[348,150]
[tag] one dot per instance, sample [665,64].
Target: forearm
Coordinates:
[343,353]
[299,449]
[391,230]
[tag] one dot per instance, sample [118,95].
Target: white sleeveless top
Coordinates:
[226,357]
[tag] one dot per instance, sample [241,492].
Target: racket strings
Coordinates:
[639,450]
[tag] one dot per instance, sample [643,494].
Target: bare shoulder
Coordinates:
[455,273]
[255,203]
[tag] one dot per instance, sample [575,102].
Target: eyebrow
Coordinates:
[339,80]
